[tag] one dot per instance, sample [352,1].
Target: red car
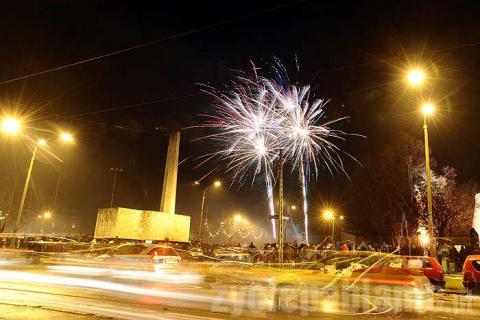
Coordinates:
[414,265]
[431,269]
[471,272]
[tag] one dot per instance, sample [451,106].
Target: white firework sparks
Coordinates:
[244,122]
[257,119]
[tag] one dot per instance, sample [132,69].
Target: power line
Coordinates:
[339,68]
[386,60]
[145,44]
[129,106]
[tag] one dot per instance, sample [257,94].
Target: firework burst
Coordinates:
[257,118]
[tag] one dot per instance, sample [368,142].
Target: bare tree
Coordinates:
[453,203]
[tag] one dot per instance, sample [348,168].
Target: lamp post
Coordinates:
[427,110]
[216,184]
[330,215]
[13,126]
[41,142]
[43,217]
[416,77]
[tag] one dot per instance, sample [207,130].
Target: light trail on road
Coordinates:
[223,290]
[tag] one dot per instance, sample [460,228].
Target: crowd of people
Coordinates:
[449,257]
[292,251]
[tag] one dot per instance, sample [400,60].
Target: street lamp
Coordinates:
[330,215]
[415,77]
[66,137]
[427,110]
[216,184]
[40,143]
[237,218]
[11,125]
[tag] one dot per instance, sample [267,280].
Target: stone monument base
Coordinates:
[135,224]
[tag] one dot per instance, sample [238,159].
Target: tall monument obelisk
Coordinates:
[138,224]
[169,190]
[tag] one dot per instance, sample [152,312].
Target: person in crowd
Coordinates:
[462,256]
[443,254]
[452,259]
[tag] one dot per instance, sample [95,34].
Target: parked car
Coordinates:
[398,281]
[232,254]
[471,273]
[194,254]
[416,265]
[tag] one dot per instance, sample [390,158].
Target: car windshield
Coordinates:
[476,264]
[163,251]
[129,249]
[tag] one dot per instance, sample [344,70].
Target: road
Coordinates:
[68,292]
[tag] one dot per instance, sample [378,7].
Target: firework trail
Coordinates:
[303,181]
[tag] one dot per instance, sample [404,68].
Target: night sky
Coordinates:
[121,107]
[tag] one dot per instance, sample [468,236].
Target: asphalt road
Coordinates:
[39,292]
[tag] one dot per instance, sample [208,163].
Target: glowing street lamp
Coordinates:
[66,137]
[416,77]
[237,218]
[11,126]
[47,215]
[330,215]
[428,109]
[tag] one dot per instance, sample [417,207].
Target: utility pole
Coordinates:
[333,231]
[115,173]
[56,192]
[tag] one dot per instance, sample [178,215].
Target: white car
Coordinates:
[232,254]
[141,256]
